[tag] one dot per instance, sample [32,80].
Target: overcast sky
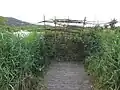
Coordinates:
[33,10]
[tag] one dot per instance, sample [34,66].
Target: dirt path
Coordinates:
[67,76]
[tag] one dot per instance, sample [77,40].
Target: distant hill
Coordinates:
[15,22]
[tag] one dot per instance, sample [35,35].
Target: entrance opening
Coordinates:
[67,46]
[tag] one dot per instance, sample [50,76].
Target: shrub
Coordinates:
[103,60]
[18,68]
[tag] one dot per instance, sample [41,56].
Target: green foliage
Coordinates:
[18,67]
[24,60]
[65,46]
[103,61]
[2,20]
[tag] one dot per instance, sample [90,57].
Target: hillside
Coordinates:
[15,22]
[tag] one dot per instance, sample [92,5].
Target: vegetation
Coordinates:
[2,20]
[23,60]
[103,59]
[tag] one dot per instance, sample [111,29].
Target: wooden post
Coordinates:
[55,22]
[68,28]
[44,22]
[84,22]
[64,24]
[44,39]
[55,35]
[68,23]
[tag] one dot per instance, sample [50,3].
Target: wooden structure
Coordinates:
[65,24]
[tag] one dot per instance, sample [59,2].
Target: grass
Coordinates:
[103,61]
[20,68]
[23,60]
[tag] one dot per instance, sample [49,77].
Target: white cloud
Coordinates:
[33,10]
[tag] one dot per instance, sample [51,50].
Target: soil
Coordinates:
[67,76]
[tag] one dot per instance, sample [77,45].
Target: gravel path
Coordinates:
[67,76]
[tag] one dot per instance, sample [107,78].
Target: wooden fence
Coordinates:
[65,24]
